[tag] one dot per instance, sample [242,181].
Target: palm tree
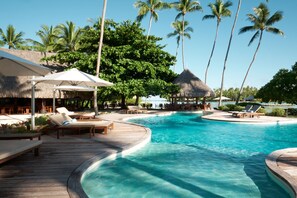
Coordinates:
[228,49]
[219,9]
[48,36]
[99,55]
[69,37]
[150,6]
[11,38]
[183,7]
[262,22]
[178,32]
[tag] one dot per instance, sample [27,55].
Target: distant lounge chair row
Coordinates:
[249,111]
[64,122]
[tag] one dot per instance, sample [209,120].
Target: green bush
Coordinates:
[233,107]
[278,112]
[261,110]
[41,120]
[223,108]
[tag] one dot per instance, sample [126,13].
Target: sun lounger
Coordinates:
[75,115]
[10,149]
[252,112]
[18,136]
[64,122]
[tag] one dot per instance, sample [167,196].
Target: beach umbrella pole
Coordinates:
[33,105]
[54,101]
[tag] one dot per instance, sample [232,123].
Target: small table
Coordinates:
[19,136]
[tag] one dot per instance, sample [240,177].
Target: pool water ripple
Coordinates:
[191,157]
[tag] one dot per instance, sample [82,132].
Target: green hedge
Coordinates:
[278,112]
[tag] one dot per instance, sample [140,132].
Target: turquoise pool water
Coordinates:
[191,157]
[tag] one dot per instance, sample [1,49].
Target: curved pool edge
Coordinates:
[280,176]
[74,186]
[216,115]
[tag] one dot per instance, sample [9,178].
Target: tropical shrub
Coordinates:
[278,112]
[292,111]
[223,108]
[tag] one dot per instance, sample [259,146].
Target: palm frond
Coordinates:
[275,31]
[256,35]
[276,17]
[246,29]
[208,17]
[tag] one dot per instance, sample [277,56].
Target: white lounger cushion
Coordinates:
[9,148]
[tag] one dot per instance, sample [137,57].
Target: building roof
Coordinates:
[20,87]
[192,86]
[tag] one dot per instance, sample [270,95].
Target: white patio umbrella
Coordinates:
[11,65]
[73,77]
[223,98]
[68,88]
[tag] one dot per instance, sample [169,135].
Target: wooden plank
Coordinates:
[48,174]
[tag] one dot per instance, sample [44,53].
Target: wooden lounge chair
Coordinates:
[10,149]
[75,115]
[252,112]
[63,122]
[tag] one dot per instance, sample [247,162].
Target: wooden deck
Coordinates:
[48,174]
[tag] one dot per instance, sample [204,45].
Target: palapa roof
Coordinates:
[191,86]
[20,86]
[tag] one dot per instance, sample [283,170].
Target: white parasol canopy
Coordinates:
[73,77]
[223,98]
[73,88]
[11,65]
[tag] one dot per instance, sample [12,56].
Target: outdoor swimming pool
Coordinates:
[191,157]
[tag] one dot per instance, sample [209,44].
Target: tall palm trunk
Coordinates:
[176,56]
[99,55]
[183,35]
[150,26]
[226,57]
[247,72]
[213,47]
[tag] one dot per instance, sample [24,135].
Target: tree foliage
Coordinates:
[282,87]
[137,66]
[232,93]
[11,38]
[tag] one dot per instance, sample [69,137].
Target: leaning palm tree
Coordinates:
[11,38]
[219,9]
[99,55]
[48,36]
[150,6]
[228,49]
[183,7]
[262,22]
[178,32]
[69,37]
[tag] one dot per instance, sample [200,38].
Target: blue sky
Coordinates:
[276,52]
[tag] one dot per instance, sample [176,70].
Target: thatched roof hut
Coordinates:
[191,86]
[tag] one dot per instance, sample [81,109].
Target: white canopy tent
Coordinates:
[11,65]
